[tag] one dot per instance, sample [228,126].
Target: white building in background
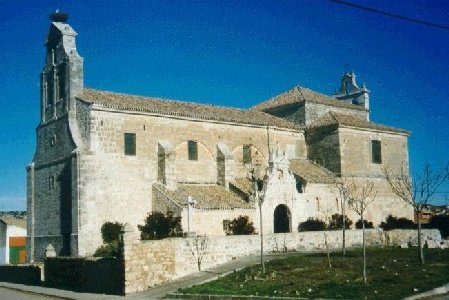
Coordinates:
[12,240]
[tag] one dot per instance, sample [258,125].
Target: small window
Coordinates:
[51,182]
[192,148]
[226,226]
[247,154]
[376,152]
[130,144]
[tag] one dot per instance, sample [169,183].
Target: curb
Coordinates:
[226,297]
[436,291]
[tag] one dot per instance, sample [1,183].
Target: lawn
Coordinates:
[392,274]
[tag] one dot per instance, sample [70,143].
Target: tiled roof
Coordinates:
[206,196]
[310,172]
[183,109]
[300,94]
[13,221]
[244,185]
[336,119]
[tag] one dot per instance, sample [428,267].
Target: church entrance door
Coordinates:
[282,219]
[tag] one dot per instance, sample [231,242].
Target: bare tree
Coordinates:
[360,195]
[198,247]
[327,217]
[343,187]
[417,193]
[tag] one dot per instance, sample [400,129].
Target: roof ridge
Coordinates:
[167,99]
[194,110]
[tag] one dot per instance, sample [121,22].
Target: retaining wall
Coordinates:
[150,263]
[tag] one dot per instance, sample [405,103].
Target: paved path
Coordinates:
[9,294]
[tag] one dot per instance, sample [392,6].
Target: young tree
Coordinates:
[417,193]
[360,196]
[198,246]
[344,188]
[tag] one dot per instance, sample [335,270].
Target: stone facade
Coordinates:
[107,157]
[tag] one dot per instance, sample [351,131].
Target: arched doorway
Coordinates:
[282,219]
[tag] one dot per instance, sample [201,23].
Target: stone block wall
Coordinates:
[323,147]
[314,111]
[150,263]
[356,156]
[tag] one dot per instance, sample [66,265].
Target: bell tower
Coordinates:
[350,92]
[62,75]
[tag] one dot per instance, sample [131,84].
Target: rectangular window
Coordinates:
[247,154]
[130,144]
[226,227]
[193,150]
[376,152]
[51,182]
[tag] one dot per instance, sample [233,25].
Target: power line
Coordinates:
[391,15]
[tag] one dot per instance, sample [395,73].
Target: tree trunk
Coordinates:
[420,246]
[262,263]
[364,249]
[343,209]
[327,251]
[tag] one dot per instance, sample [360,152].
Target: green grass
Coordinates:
[392,274]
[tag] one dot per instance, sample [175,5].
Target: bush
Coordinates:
[241,226]
[110,232]
[442,223]
[397,223]
[336,222]
[159,226]
[108,250]
[358,224]
[312,225]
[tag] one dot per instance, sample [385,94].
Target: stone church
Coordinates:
[109,157]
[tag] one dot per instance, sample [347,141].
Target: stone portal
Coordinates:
[282,219]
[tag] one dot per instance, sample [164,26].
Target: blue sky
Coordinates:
[233,53]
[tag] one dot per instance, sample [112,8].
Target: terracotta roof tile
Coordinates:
[336,119]
[244,185]
[206,196]
[300,94]
[310,171]
[183,109]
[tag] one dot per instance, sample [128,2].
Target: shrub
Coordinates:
[442,223]
[108,250]
[159,226]
[397,223]
[368,224]
[312,225]
[336,222]
[110,232]
[241,226]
